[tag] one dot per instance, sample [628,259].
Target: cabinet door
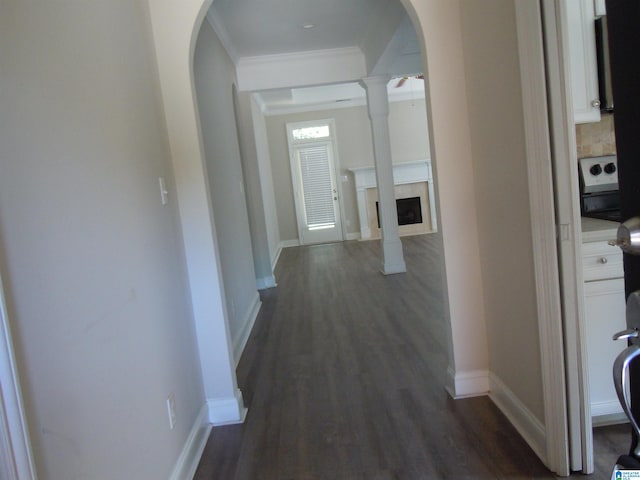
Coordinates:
[604,316]
[582,58]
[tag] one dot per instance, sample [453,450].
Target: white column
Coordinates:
[378,106]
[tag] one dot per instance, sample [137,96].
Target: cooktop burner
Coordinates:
[599,194]
[598,174]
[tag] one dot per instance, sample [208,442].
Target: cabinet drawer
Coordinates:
[601,261]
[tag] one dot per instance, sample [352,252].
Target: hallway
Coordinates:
[344,379]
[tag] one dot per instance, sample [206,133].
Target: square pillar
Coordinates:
[378,108]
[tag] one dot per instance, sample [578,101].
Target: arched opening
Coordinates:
[442,31]
[461,214]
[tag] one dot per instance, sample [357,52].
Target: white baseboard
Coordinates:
[281,245]
[189,458]
[227,410]
[603,409]
[289,243]
[527,425]
[613,419]
[353,236]
[275,258]
[467,384]
[247,325]
[266,282]
[393,268]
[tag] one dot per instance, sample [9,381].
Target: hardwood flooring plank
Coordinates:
[344,374]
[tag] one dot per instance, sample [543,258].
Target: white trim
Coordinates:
[311,55]
[391,268]
[276,257]
[281,245]
[269,111]
[7,465]
[189,458]
[525,422]
[612,419]
[353,236]
[247,325]
[565,169]
[305,235]
[226,411]
[266,282]
[289,243]
[338,65]
[467,384]
[223,35]
[15,432]
[608,408]
[541,200]
[260,103]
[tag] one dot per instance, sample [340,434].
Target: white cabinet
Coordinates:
[604,302]
[580,16]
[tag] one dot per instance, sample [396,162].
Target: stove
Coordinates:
[599,194]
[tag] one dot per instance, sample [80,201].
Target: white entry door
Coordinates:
[314,185]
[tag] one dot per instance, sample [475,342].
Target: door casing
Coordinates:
[295,179]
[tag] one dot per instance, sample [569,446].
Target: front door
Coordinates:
[315,188]
[623,18]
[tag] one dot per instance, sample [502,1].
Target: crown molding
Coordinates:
[300,69]
[223,35]
[295,57]
[268,111]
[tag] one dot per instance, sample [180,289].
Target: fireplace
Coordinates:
[409,211]
[413,184]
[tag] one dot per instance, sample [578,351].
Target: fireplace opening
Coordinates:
[409,211]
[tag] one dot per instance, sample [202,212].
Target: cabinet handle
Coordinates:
[603,260]
[595,103]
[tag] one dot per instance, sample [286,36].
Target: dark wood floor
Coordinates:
[343,376]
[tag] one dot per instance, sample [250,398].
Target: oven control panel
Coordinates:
[598,174]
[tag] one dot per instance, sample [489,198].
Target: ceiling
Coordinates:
[380,29]
[288,100]
[267,27]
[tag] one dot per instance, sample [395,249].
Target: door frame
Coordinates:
[292,145]
[543,226]
[570,235]
[16,456]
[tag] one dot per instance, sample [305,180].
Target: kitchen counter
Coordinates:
[596,230]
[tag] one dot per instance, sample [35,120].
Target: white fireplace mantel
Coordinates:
[403,173]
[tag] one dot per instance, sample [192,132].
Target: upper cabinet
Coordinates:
[583,62]
[600,7]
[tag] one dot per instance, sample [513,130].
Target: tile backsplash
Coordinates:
[596,139]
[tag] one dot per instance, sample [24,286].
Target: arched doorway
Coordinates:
[439,27]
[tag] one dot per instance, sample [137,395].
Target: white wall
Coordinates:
[440,33]
[502,197]
[214,75]
[266,180]
[258,196]
[93,263]
[409,141]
